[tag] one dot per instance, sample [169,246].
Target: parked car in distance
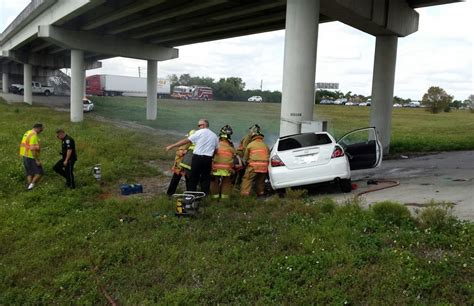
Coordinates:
[326,101]
[414,104]
[364,104]
[351,103]
[36,88]
[397,105]
[87,105]
[311,158]
[255,99]
[340,101]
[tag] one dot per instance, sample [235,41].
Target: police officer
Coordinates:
[65,166]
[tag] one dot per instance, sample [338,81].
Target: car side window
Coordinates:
[302,141]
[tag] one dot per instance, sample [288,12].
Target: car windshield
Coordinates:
[303,140]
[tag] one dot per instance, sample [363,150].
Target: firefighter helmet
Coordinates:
[254,128]
[226,132]
[255,131]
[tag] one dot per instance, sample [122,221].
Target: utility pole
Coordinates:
[261,85]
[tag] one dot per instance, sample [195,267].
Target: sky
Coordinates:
[440,54]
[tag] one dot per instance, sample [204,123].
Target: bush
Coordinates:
[436,217]
[390,212]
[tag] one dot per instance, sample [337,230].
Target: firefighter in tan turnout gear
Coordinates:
[256,158]
[181,167]
[223,165]
[240,170]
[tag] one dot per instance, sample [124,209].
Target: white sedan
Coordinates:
[311,158]
[255,99]
[87,105]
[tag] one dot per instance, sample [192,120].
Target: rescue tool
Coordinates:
[187,203]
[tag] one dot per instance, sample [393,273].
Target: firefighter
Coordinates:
[181,167]
[256,157]
[223,165]
[240,171]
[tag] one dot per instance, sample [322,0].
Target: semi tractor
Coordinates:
[119,85]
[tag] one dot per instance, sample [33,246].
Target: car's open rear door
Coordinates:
[362,147]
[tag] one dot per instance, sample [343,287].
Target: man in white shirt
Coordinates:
[206,143]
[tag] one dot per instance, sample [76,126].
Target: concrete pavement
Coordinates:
[443,177]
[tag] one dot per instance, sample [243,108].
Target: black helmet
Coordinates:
[255,131]
[254,128]
[226,132]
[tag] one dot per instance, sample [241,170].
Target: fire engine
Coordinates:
[193,93]
[182,92]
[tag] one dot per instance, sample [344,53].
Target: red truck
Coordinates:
[193,93]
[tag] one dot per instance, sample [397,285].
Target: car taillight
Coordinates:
[276,161]
[338,152]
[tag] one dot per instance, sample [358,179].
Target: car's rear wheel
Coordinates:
[46,93]
[346,185]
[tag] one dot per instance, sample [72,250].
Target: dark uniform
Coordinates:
[67,171]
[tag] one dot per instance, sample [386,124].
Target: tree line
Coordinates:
[233,89]
[227,89]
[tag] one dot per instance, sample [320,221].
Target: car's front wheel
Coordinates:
[346,185]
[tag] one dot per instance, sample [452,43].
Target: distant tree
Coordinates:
[397,100]
[174,80]
[456,104]
[436,99]
[325,94]
[230,89]
[185,79]
[470,103]
[338,94]
[348,95]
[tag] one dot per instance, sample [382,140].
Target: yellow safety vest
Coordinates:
[29,143]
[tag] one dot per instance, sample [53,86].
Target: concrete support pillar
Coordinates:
[151,88]
[5,82]
[299,67]
[382,87]
[27,79]
[77,85]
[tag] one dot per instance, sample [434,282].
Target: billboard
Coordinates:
[327,85]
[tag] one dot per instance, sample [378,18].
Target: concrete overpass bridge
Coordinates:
[77,34]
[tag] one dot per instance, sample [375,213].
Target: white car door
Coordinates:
[363,148]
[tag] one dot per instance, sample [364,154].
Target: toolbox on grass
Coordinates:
[127,189]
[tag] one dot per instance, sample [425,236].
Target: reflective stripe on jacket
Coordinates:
[180,152]
[257,155]
[224,157]
[29,143]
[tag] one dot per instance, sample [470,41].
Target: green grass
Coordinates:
[61,247]
[413,130]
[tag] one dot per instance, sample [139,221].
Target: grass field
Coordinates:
[413,130]
[88,245]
